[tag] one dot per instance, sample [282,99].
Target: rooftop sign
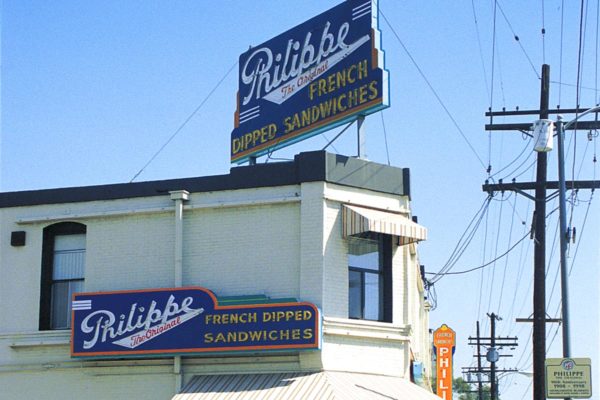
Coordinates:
[186,320]
[314,77]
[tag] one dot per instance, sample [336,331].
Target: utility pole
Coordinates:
[492,357]
[539,257]
[563,240]
[479,382]
[493,343]
[539,224]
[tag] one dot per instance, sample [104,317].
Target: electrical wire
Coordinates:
[515,171]
[438,98]
[491,262]
[518,40]
[525,148]
[581,231]
[464,240]
[483,258]
[512,220]
[560,68]
[493,269]
[487,88]
[185,122]
[578,93]
[581,87]
[543,34]
[521,263]
[596,47]
[529,168]
[492,84]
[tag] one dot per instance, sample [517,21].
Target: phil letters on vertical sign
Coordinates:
[314,77]
[444,340]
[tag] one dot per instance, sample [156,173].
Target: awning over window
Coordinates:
[302,386]
[358,220]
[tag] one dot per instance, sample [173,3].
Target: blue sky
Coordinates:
[92,90]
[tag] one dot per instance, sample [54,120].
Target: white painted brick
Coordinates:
[287,249]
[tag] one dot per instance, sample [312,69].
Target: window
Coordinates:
[63,271]
[370,273]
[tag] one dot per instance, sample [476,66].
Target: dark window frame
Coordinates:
[49,235]
[384,272]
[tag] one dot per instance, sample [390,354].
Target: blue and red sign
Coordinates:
[186,320]
[318,75]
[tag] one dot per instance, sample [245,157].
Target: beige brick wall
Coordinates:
[244,250]
[281,242]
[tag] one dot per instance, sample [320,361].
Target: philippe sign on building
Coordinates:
[444,340]
[316,76]
[184,321]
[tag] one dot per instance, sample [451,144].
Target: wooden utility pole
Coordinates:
[479,382]
[539,257]
[493,344]
[539,224]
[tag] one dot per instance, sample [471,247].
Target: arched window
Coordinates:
[63,271]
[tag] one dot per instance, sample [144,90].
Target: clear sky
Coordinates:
[92,90]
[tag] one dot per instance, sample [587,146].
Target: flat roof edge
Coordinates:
[306,167]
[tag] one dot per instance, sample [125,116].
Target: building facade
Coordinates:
[324,229]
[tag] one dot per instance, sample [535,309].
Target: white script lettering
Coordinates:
[103,325]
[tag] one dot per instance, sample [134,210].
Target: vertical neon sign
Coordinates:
[444,340]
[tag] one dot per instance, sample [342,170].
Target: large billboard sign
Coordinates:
[444,341]
[318,75]
[186,320]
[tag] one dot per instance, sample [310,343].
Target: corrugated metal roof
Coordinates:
[302,386]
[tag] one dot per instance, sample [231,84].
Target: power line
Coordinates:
[493,273]
[462,245]
[543,34]
[512,220]
[525,148]
[458,128]
[483,257]
[184,122]
[480,48]
[488,263]
[560,67]
[596,63]
[518,40]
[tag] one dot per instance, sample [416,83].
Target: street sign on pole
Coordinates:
[568,377]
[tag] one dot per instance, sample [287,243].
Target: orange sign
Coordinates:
[444,340]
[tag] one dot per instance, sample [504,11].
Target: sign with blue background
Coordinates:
[314,77]
[186,320]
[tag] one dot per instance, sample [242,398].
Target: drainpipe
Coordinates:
[179,196]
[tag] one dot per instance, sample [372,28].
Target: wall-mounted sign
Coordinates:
[568,378]
[186,320]
[318,75]
[444,340]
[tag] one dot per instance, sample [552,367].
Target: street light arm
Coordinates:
[591,110]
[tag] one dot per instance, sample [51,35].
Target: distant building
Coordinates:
[325,229]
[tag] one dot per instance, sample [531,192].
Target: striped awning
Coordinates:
[359,220]
[325,385]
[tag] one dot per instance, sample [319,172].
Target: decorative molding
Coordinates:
[36,339]
[366,329]
[155,210]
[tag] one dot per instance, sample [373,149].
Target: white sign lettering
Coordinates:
[265,73]
[103,325]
